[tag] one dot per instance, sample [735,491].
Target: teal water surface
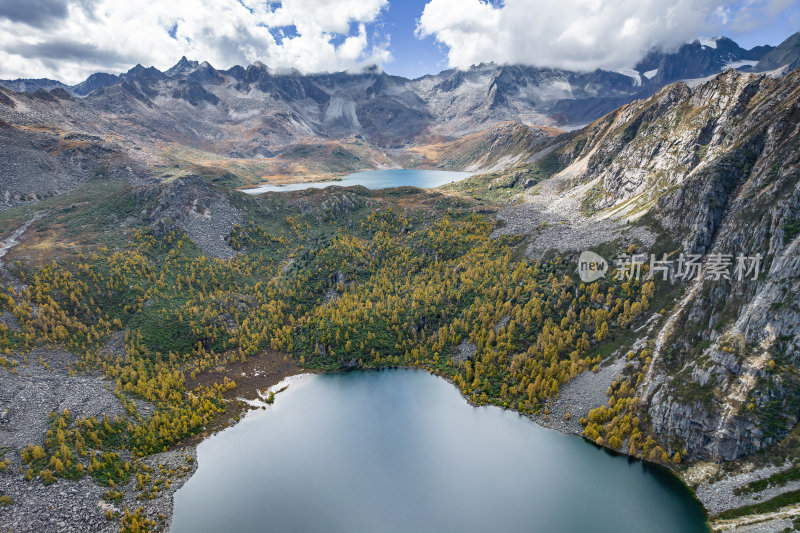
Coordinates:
[401,451]
[375,179]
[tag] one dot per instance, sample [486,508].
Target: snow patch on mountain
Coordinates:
[711,43]
[637,78]
[740,64]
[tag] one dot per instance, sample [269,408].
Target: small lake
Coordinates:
[401,451]
[375,179]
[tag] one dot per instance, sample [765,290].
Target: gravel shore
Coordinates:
[30,393]
[78,506]
[579,396]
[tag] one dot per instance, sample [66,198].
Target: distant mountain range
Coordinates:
[391,110]
[258,123]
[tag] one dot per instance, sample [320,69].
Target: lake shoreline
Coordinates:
[373,179]
[334,177]
[265,372]
[248,435]
[561,425]
[85,494]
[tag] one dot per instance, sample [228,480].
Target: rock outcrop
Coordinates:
[715,171]
[203,212]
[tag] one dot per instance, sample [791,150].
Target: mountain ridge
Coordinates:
[533,95]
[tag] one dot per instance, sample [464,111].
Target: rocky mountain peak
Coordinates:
[98,80]
[786,54]
[182,67]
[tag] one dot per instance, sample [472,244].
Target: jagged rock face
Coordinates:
[193,92]
[684,141]
[697,59]
[753,195]
[756,388]
[786,54]
[696,428]
[464,101]
[716,169]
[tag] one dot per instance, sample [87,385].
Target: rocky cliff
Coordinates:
[712,171]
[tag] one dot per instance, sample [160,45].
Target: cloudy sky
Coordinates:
[70,39]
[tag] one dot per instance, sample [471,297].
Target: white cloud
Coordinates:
[71,39]
[576,34]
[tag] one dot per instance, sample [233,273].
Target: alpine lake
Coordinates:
[400,450]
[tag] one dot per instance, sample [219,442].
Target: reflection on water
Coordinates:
[402,451]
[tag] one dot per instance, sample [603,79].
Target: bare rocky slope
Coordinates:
[710,171]
[716,170]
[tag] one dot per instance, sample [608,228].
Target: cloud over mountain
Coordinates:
[579,34]
[70,39]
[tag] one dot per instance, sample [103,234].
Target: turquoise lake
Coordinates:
[375,179]
[401,451]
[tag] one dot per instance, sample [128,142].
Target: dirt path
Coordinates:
[11,241]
